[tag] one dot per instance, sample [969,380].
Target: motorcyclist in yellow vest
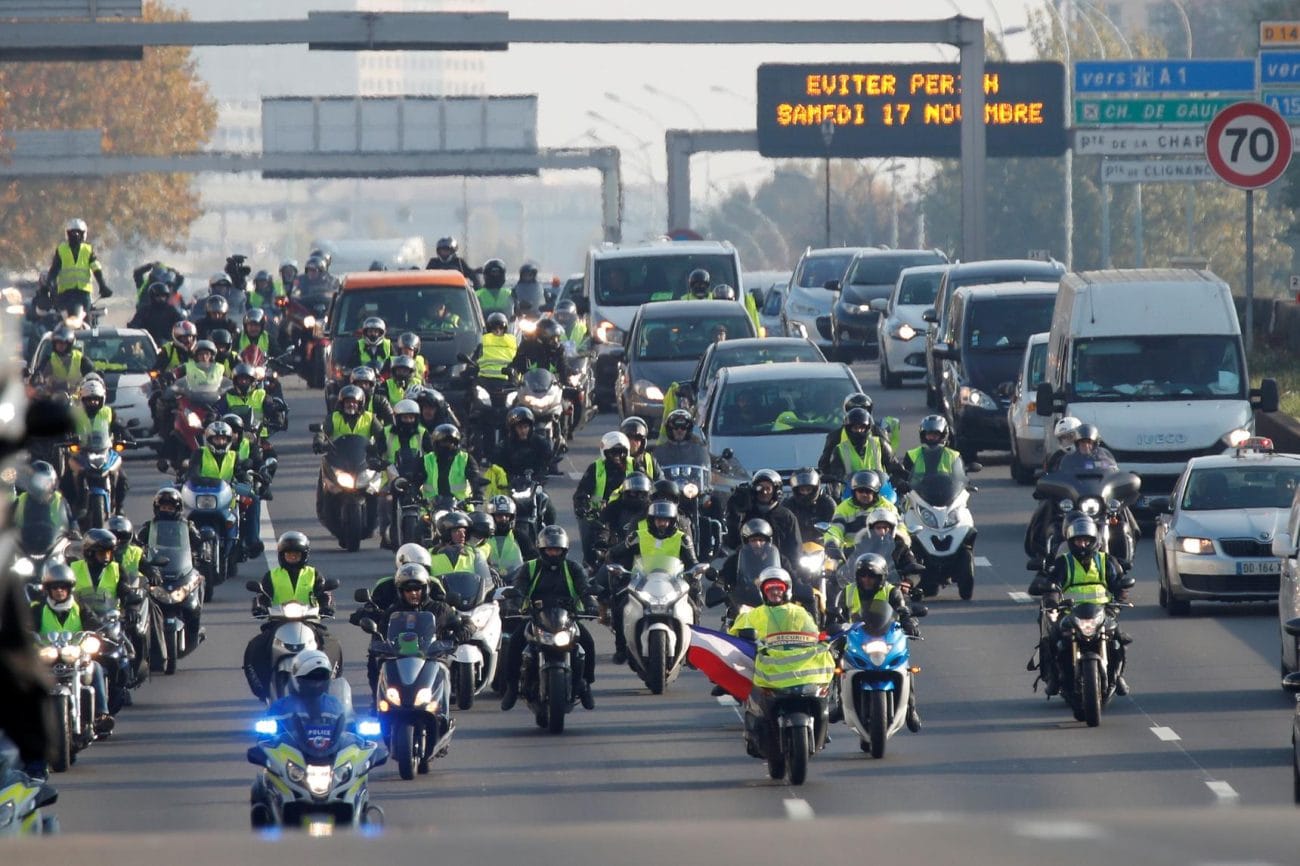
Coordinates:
[373,349]
[292,580]
[348,419]
[724,292]
[510,547]
[448,470]
[494,297]
[851,515]
[58,611]
[175,353]
[601,479]
[400,379]
[89,414]
[99,585]
[376,400]
[286,277]
[66,365]
[216,458]
[255,333]
[41,503]
[73,268]
[657,536]
[498,349]
[452,551]
[699,285]
[856,450]
[224,341]
[403,458]
[932,456]
[1083,574]
[408,344]
[521,451]
[264,293]
[202,373]
[575,326]
[481,530]
[638,436]
[244,399]
[789,647]
[126,553]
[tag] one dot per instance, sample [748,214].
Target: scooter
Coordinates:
[347,490]
[293,634]
[657,617]
[474,662]
[876,683]
[414,692]
[943,532]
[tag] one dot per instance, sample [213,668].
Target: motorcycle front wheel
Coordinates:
[800,746]
[878,723]
[656,662]
[62,734]
[464,685]
[557,699]
[1092,692]
[352,525]
[403,749]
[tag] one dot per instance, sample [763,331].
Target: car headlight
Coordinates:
[606,332]
[648,390]
[6,813]
[563,639]
[1198,546]
[1233,438]
[876,650]
[70,653]
[345,479]
[480,617]
[319,778]
[905,331]
[394,696]
[690,490]
[49,653]
[23,567]
[423,696]
[90,645]
[801,309]
[206,502]
[928,518]
[975,397]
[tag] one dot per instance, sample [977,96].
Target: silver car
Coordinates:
[901,328]
[1023,420]
[123,356]
[1214,539]
[806,308]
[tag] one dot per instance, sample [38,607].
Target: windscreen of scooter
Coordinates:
[538,381]
[749,564]
[466,590]
[867,541]
[653,562]
[940,489]
[877,618]
[170,538]
[412,632]
[349,452]
[40,531]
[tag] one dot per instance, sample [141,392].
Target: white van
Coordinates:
[1154,358]
[620,278]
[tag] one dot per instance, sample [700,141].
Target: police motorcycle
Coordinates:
[697,504]
[938,518]
[71,657]
[414,692]
[657,616]
[99,466]
[540,391]
[294,634]
[212,505]
[314,773]
[1086,656]
[474,662]
[876,682]
[1094,489]
[22,798]
[178,591]
[553,660]
[347,491]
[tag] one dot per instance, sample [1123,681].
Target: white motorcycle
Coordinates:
[657,618]
[474,662]
[943,531]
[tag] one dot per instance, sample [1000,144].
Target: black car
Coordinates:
[991,325]
[974,274]
[871,275]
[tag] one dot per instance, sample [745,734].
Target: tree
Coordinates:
[158,105]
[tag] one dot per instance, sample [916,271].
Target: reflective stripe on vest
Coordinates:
[69,373]
[534,573]
[130,561]
[602,481]
[339,425]
[648,544]
[1087,584]
[794,656]
[396,390]
[101,596]
[852,462]
[853,596]
[74,272]
[498,351]
[285,589]
[457,482]
[50,622]
[210,469]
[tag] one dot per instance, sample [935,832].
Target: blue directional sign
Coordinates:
[1164,76]
[1279,67]
[1285,104]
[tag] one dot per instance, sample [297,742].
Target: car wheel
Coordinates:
[1178,607]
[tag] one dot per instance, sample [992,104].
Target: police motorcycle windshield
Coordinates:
[466,590]
[878,618]
[412,633]
[319,737]
[940,489]
[538,381]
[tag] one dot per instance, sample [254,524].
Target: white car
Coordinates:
[900,330]
[1024,422]
[1214,536]
[123,357]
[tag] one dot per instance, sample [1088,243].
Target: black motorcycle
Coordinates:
[532,503]
[1099,490]
[347,490]
[178,593]
[551,675]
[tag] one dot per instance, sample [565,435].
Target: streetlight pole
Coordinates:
[828,133]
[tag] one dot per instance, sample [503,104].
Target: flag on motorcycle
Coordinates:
[726,660]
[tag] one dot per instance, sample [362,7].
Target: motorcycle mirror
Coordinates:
[361,596]
[715,596]
[1127,582]
[132,423]
[314,428]
[747,634]
[257,756]
[821,526]
[1292,627]
[46,796]
[253,586]
[368,625]
[330,584]
[974,467]
[380,757]
[920,610]
[463,358]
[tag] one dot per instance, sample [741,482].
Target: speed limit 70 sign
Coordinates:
[1248,145]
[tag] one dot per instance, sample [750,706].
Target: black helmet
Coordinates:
[98,541]
[255,316]
[235,423]
[756,528]
[262,276]
[243,374]
[292,542]
[804,484]
[634,427]
[221,338]
[481,526]
[1084,531]
[520,415]
[858,400]
[1088,431]
[857,425]
[167,501]
[159,292]
[502,504]
[377,265]
[447,243]
[494,274]
[497,323]
[430,397]
[410,341]
[553,538]
[667,490]
[446,436]
[351,395]
[42,483]
[121,527]
[527,272]
[866,479]
[64,334]
[315,263]
[566,313]
[698,281]
[873,567]
[326,257]
[550,332]
[680,419]
[449,523]
[216,306]
[636,488]
[662,511]
[723,292]
[934,424]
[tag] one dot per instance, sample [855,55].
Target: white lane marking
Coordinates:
[1222,790]
[1021,597]
[1164,734]
[983,561]
[267,536]
[798,810]
[1056,829]
[575,476]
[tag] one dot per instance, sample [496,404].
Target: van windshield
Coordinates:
[1123,369]
[1004,324]
[630,281]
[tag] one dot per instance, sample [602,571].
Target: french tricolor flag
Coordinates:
[726,660]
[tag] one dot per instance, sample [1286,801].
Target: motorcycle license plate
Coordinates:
[1268,566]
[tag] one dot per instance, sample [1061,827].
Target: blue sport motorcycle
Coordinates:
[876,683]
[213,507]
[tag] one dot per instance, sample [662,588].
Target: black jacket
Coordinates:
[533,353]
[517,457]
[727,575]
[24,688]
[455,263]
[207,325]
[586,491]
[785,527]
[157,319]
[820,510]
[552,585]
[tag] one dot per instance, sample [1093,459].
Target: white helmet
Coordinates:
[614,439]
[311,673]
[93,387]
[1067,431]
[882,515]
[412,552]
[76,225]
[406,406]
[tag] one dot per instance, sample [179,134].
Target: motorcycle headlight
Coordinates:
[319,778]
[876,650]
[96,460]
[294,610]
[480,617]
[309,322]
[928,518]
[345,479]
[648,390]
[1113,504]
[90,645]
[1090,507]
[481,394]
[206,502]
[950,520]
[6,813]
[522,495]
[70,653]
[423,696]
[527,326]
[1066,505]
[690,490]
[192,419]
[811,562]
[342,773]
[23,567]
[1198,546]
[295,773]
[606,333]
[562,639]
[905,332]
[975,397]
[178,595]
[394,696]
[49,653]
[1088,627]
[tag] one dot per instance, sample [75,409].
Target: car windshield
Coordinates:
[1237,487]
[999,324]
[816,271]
[629,281]
[781,406]
[424,310]
[114,353]
[681,339]
[919,289]
[883,270]
[761,353]
[1123,369]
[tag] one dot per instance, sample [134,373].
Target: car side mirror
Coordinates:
[831,285]
[1160,505]
[361,596]
[1045,400]
[880,305]
[1283,546]
[369,626]
[930,315]
[747,634]
[330,584]
[252,586]
[1266,398]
